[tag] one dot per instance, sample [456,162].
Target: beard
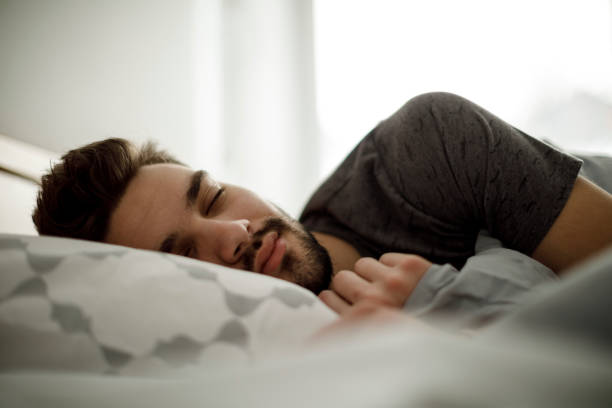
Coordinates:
[308,264]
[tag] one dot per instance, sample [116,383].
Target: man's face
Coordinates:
[174,209]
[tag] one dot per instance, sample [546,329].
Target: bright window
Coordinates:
[544,66]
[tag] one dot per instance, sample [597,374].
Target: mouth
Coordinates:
[271,253]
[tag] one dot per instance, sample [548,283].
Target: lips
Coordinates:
[271,253]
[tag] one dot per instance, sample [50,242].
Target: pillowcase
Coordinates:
[83,306]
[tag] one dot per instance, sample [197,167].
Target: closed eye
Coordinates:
[214,200]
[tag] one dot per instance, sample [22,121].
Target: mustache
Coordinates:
[271,224]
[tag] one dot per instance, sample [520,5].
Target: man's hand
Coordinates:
[386,282]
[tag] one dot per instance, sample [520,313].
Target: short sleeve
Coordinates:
[462,165]
[435,173]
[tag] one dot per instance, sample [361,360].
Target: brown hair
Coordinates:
[79,194]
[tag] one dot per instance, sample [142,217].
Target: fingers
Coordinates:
[350,285]
[389,282]
[371,269]
[334,302]
[412,264]
[395,258]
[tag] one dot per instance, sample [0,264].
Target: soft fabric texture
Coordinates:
[435,173]
[553,352]
[492,283]
[495,281]
[81,306]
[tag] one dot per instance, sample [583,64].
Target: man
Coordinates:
[416,190]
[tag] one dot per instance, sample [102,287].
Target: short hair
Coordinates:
[79,194]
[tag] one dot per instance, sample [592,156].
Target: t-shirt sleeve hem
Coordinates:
[569,174]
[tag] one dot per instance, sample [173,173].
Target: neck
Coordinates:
[343,255]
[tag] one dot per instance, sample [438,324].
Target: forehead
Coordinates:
[153,203]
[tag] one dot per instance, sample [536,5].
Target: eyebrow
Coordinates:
[190,198]
[194,187]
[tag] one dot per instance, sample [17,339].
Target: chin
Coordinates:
[306,262]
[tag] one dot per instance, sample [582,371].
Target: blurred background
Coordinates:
[272,94]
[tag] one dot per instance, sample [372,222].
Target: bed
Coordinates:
[92,324]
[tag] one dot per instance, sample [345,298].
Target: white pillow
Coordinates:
[76,305]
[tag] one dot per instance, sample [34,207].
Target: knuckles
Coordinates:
[414,263]
[363,263]
[368,294]
[342,276]
[342,283]
[395,282]
[391,287]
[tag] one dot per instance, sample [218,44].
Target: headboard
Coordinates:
[21,166]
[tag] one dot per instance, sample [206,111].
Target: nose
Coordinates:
[228,239]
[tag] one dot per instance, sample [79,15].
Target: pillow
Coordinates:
[76,305]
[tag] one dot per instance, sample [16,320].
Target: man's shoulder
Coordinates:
[389,143]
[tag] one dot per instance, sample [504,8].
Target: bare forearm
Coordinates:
[583,228]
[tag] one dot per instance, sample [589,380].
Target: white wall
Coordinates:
[77,71]
[269,119]
[224,85]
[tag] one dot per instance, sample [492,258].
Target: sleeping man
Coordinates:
[395,224]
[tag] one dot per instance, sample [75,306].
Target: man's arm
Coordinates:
[583,228]
[469,170]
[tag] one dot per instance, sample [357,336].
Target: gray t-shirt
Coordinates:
[430,177]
